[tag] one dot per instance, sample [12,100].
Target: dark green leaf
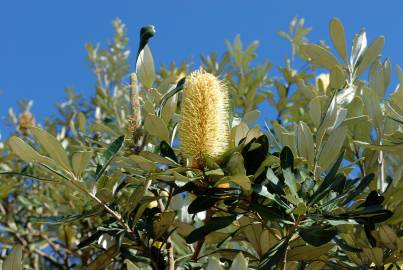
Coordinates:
[89,240]
[167,151]
[213,224]
[328,182]
[29,176]
[343,244]
[317,235]
[370,214]
[268,212]
[254,153]
[360,188]
[201,203]
[108,155]
[66,218]
[286,158]
[274,256]
[146,32]
[103,260]
[336,182]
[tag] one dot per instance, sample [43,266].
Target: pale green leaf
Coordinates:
[332,147]
[370,54]
[241,180]
[373,107]
[337,78]
[338,37]
[130,265]
[305,144]
[319,56]
[250,117]
[359,45]
[145,67]
[52,146]
[239,263]
[27,153]
[80,161]
[213,264]
[315,110]
[156,127]
[169,109]
[14,259]
[81,122]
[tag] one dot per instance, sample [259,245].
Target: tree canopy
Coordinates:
[171,168]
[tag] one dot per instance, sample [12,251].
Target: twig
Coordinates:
[113,213]
[360,163]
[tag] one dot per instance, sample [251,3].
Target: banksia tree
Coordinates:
[204,118]
[300,194]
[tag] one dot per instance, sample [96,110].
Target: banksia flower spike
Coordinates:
[134,120]
[204,120]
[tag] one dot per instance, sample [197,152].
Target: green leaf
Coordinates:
[29,176]
[328,182]
[268,212]
[14,259]
[80,161]
[200,204]
[315,110]
[319,56]
[286,158]
[169,108]
[241,180]
[52,146]
[213,264]
[108,155]
[239,263]
[156,127]
[81,122]
[163,222]
[337,78]
[235,165]
[130,265]
[290,181]
[146,32]
[27,153]
[387,148]
[167,151]
[332,148]
[66,218]
[305,144]
[213,224]
[360,188]
[373,106]
[359,45]
[103,260]
[369,214]
[338,37]
[305,253]
[250,117]
[273,256]
[317,235]
[370,54]
[145,68]
[254,153]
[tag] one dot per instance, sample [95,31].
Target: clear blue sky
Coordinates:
[42,42]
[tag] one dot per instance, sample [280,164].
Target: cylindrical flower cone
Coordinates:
[204,120]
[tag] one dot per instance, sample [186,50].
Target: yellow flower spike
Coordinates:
[204,120]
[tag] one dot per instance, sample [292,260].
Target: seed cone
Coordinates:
[204,120]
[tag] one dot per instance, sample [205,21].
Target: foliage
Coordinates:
[104,185]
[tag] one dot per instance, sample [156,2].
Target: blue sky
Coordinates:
[42,42]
